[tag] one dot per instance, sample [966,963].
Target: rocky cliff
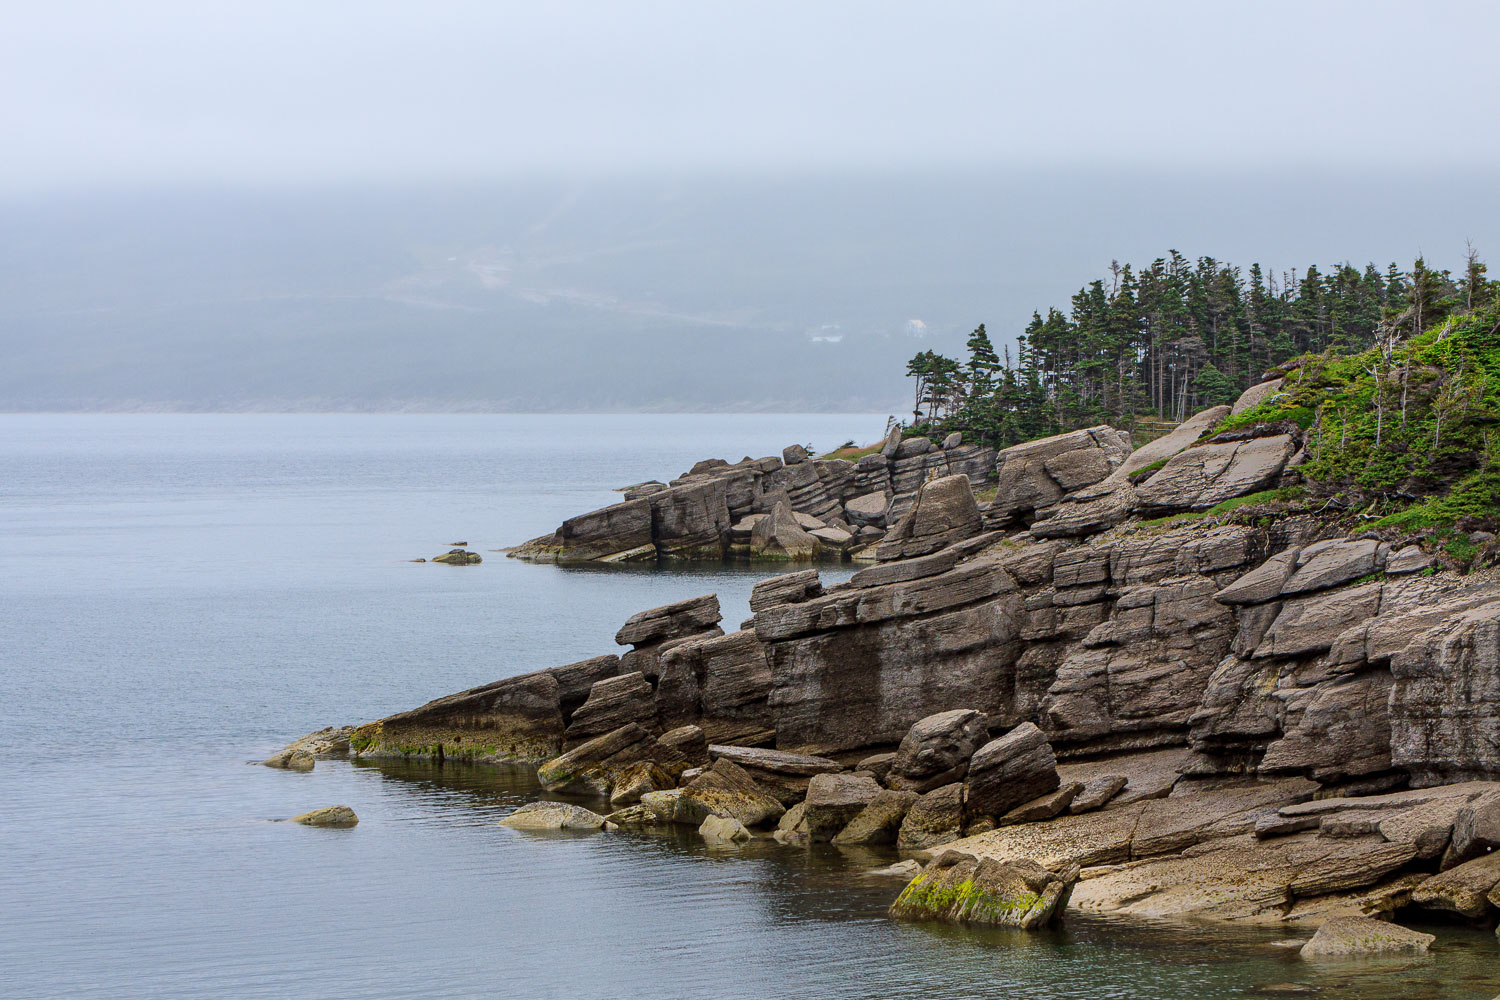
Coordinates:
[1167,667]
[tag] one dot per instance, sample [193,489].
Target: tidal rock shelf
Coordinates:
[1063,697]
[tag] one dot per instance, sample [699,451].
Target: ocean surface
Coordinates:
[181,595]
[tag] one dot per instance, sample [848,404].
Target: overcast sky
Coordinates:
[270,92]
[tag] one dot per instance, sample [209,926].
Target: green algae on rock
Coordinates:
[1019,894]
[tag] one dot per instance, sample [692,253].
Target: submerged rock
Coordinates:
[338,816]
[984,891]
[1349,937]
[290,760]
[723,828]
[553,816]
[459,557]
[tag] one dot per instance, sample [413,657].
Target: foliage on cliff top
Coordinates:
[1411,427]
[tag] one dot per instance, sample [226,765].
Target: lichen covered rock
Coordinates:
[1019,893]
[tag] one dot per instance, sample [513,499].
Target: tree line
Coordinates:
[1165,341]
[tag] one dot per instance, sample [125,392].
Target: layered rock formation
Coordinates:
[718,509]
[1058,676]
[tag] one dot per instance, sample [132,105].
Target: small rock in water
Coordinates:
[417,560]
[459,557]
[723,828]
[290,760]
[553,816]
[458,545]
[332,816]
[901,869]
[1345,937]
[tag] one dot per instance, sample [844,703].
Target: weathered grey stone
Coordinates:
[1263,583]
[612,703]
[575,681]
[670,621]
[913,446]
[1201,477]
[1310,624]
[1039,473]
[687,743]
[835,799]
[332,741]
[1015,768]
[784,775]
[1016,894]
[788,588]
[1170,444]
[1097,792]
[907,569]
[621,527]
[1348,937]
[1408,560]
[638,779]
[779,536]
[1322,566]
[953,440]
[935,818]
[334,816]
[721,682]
[792,828]
[1042,807]
[879,822]
[1476,829]
[1344,731]
[553,816]
[1445,702]
[892,443]
[793,453]
[1253,396]
[936,750]
[944,512]
[724,829]
[592,766]
[878,764]
[519,718]
[868,510]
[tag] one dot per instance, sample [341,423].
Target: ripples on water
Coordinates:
[183,594]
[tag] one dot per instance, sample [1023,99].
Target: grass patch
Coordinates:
[1170,519]
[851,454]
[1153,467]
[1476,495]
[1256,499]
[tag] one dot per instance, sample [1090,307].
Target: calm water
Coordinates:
[182,594]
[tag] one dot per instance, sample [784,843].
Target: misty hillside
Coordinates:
[797,294]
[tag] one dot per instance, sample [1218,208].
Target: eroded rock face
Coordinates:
[1040,473]
[993,893]
[935,818]
[612,703]
[944,512]
[726,790]
[835,799]
[879,822]
[1445,699]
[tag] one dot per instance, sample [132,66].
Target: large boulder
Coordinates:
[670,621]
[784,775]
[936,750]
[869,509]
[553,816]
[1201,477]
[984,891]
[1040,473]
[1328,564]
[1352,937]
[779,536]
[726,790]
[835,799]
[1472,889]
[1476,829]
[878,822]
[935,818]
[1013,769]
[944,512]
[612,703]
[1253,396]
[720,683]
[594,766]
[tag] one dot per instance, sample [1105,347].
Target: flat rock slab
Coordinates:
[1351,937]
[553,816]
[777,761]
